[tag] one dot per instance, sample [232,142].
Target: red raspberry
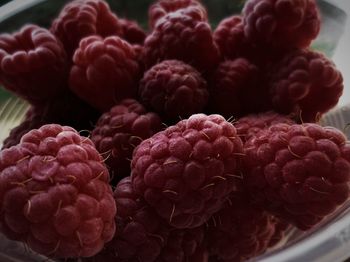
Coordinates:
[33,64]
[120,130]
[281,24]
[82,18]
[143,236]
[105,71]
[132,32]
[239,231]
[181,37]
[236,89]
[161,8]
[250,125]
[279,236]
[301,173]
[306,84]
[187,171]
[54,194]
[174,90]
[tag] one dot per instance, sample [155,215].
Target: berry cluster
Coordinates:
[193,146]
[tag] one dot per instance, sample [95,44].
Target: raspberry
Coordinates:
[174,90]
[31,121]
[187,171]
[143,236]
[250,125]
[281,24]
[161,8]
[132,32]
[181,37]
[54,194]
[120,130]
[235,89]
[279,235]
[239,231]
[105,71]
[301,173]
[33,64]
[306,84]
[82,18]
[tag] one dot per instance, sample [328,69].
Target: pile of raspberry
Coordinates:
[179,143]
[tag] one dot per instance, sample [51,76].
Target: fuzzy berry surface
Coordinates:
[33,64]
[174,90]
[143,236]
[105,71]
[54,194]
[191,8]
[119,131]
[281,24]
[306,84]
[187,171]
[239,231]
[301,173]
[81,18]
[181,37]
[236,89]
[132,32]
[248,126]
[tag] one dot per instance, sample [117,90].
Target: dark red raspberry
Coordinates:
[105,71]
[181,37]
[82,18]
[161,8]
[119,131]
[31,120]
[187,171]
[281,24]
[54,194]
[239,231]
[301,173]
[306,84]
[33,64]
[143,236]
[250,125]
[174,89]
[132,32]
[236,89]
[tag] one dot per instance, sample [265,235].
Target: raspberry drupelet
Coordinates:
[132,32]
[187,171]
[33,64]
[119,131]
[54,194]
[174,90]
[81,18]
[105,71]
[300,173]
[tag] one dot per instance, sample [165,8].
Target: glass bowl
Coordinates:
[329,241]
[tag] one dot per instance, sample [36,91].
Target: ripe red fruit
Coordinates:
[181,37]
[119,131]
[161,8]
[281,24]
[236,89]
[239,231]
[81,18]
[174,90]
[248,126]
[187,171]
[105,71]
[132,32]
[33,64]
[54,194]
[301,173]
[306,84]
